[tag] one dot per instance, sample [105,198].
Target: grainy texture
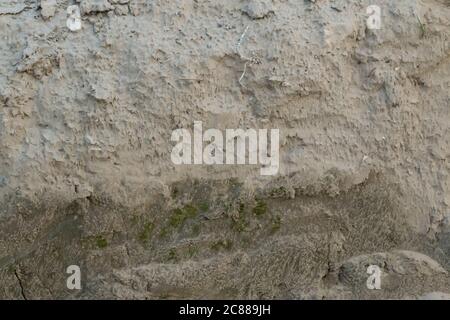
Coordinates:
[85,171]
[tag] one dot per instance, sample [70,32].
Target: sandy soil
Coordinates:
[86,119]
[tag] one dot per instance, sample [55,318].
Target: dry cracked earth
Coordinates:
[86,177]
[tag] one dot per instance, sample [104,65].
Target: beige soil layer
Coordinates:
[86,178]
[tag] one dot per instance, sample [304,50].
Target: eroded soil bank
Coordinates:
[85,172]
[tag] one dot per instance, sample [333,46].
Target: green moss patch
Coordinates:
[180,215]
[146,232]
[260,208]
[204,207]
[275,224]
[222,244]
[101,242]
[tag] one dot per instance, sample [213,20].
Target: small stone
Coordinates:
[137,8]
[95,6]
[48,8]
[121,10]
[258,9]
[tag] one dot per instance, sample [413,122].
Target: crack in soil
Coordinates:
[22,291]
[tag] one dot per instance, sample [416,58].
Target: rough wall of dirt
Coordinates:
[85,125]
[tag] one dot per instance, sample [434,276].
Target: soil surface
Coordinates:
[86,177]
